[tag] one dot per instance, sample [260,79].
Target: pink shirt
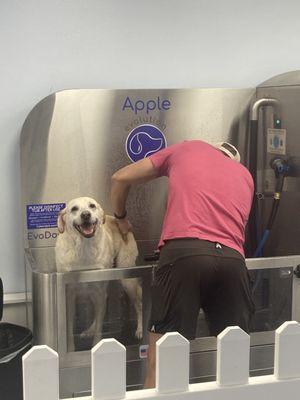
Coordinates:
[209,194]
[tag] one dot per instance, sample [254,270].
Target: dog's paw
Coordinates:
[139,333]
[85,335]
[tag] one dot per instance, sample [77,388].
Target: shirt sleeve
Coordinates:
[162,160]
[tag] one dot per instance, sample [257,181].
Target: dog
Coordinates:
[87,240]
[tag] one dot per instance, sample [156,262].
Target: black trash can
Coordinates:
[15,341]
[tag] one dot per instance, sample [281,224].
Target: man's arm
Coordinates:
[121,181]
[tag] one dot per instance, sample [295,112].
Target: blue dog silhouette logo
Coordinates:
[143,141]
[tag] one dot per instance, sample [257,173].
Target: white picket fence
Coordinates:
[41,375]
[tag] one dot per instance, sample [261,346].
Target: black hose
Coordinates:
[273,213]
[276,201]
[253,151]
[252,224]
[275,206]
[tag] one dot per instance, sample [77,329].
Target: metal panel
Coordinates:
[287,79]
[285,235]
[73,141]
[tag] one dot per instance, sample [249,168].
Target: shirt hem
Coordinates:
[196,235]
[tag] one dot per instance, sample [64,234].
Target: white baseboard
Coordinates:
[14,310]
[14,298]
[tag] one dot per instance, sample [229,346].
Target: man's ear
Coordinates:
[61,223]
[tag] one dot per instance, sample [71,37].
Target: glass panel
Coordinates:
[97,310]
[272,293]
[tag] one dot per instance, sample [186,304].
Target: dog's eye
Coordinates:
[74,209]
[92,205]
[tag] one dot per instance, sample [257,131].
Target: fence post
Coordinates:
[40,374]
[233,353]
[287,351]
[172,363]
[108,370]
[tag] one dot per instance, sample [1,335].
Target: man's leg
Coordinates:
[232,304]
[175,305]
[151,361]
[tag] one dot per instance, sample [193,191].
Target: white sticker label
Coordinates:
[276,141]
[144,350]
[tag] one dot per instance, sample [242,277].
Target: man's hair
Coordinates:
[229,150]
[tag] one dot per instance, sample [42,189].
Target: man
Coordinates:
[202,260]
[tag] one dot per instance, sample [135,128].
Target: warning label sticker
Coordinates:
[41,216]
[143,350]
[276,141]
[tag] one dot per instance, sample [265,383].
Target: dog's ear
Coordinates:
[103,219]
[61,223]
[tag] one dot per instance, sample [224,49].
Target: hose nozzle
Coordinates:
[280,166]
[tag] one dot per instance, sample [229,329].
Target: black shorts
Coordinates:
[194,274]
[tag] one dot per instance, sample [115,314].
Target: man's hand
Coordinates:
[124,227]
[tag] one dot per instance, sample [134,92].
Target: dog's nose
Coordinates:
[85,215]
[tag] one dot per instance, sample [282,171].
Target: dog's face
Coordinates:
[82,215]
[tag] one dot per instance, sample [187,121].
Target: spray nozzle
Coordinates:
[280,166]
